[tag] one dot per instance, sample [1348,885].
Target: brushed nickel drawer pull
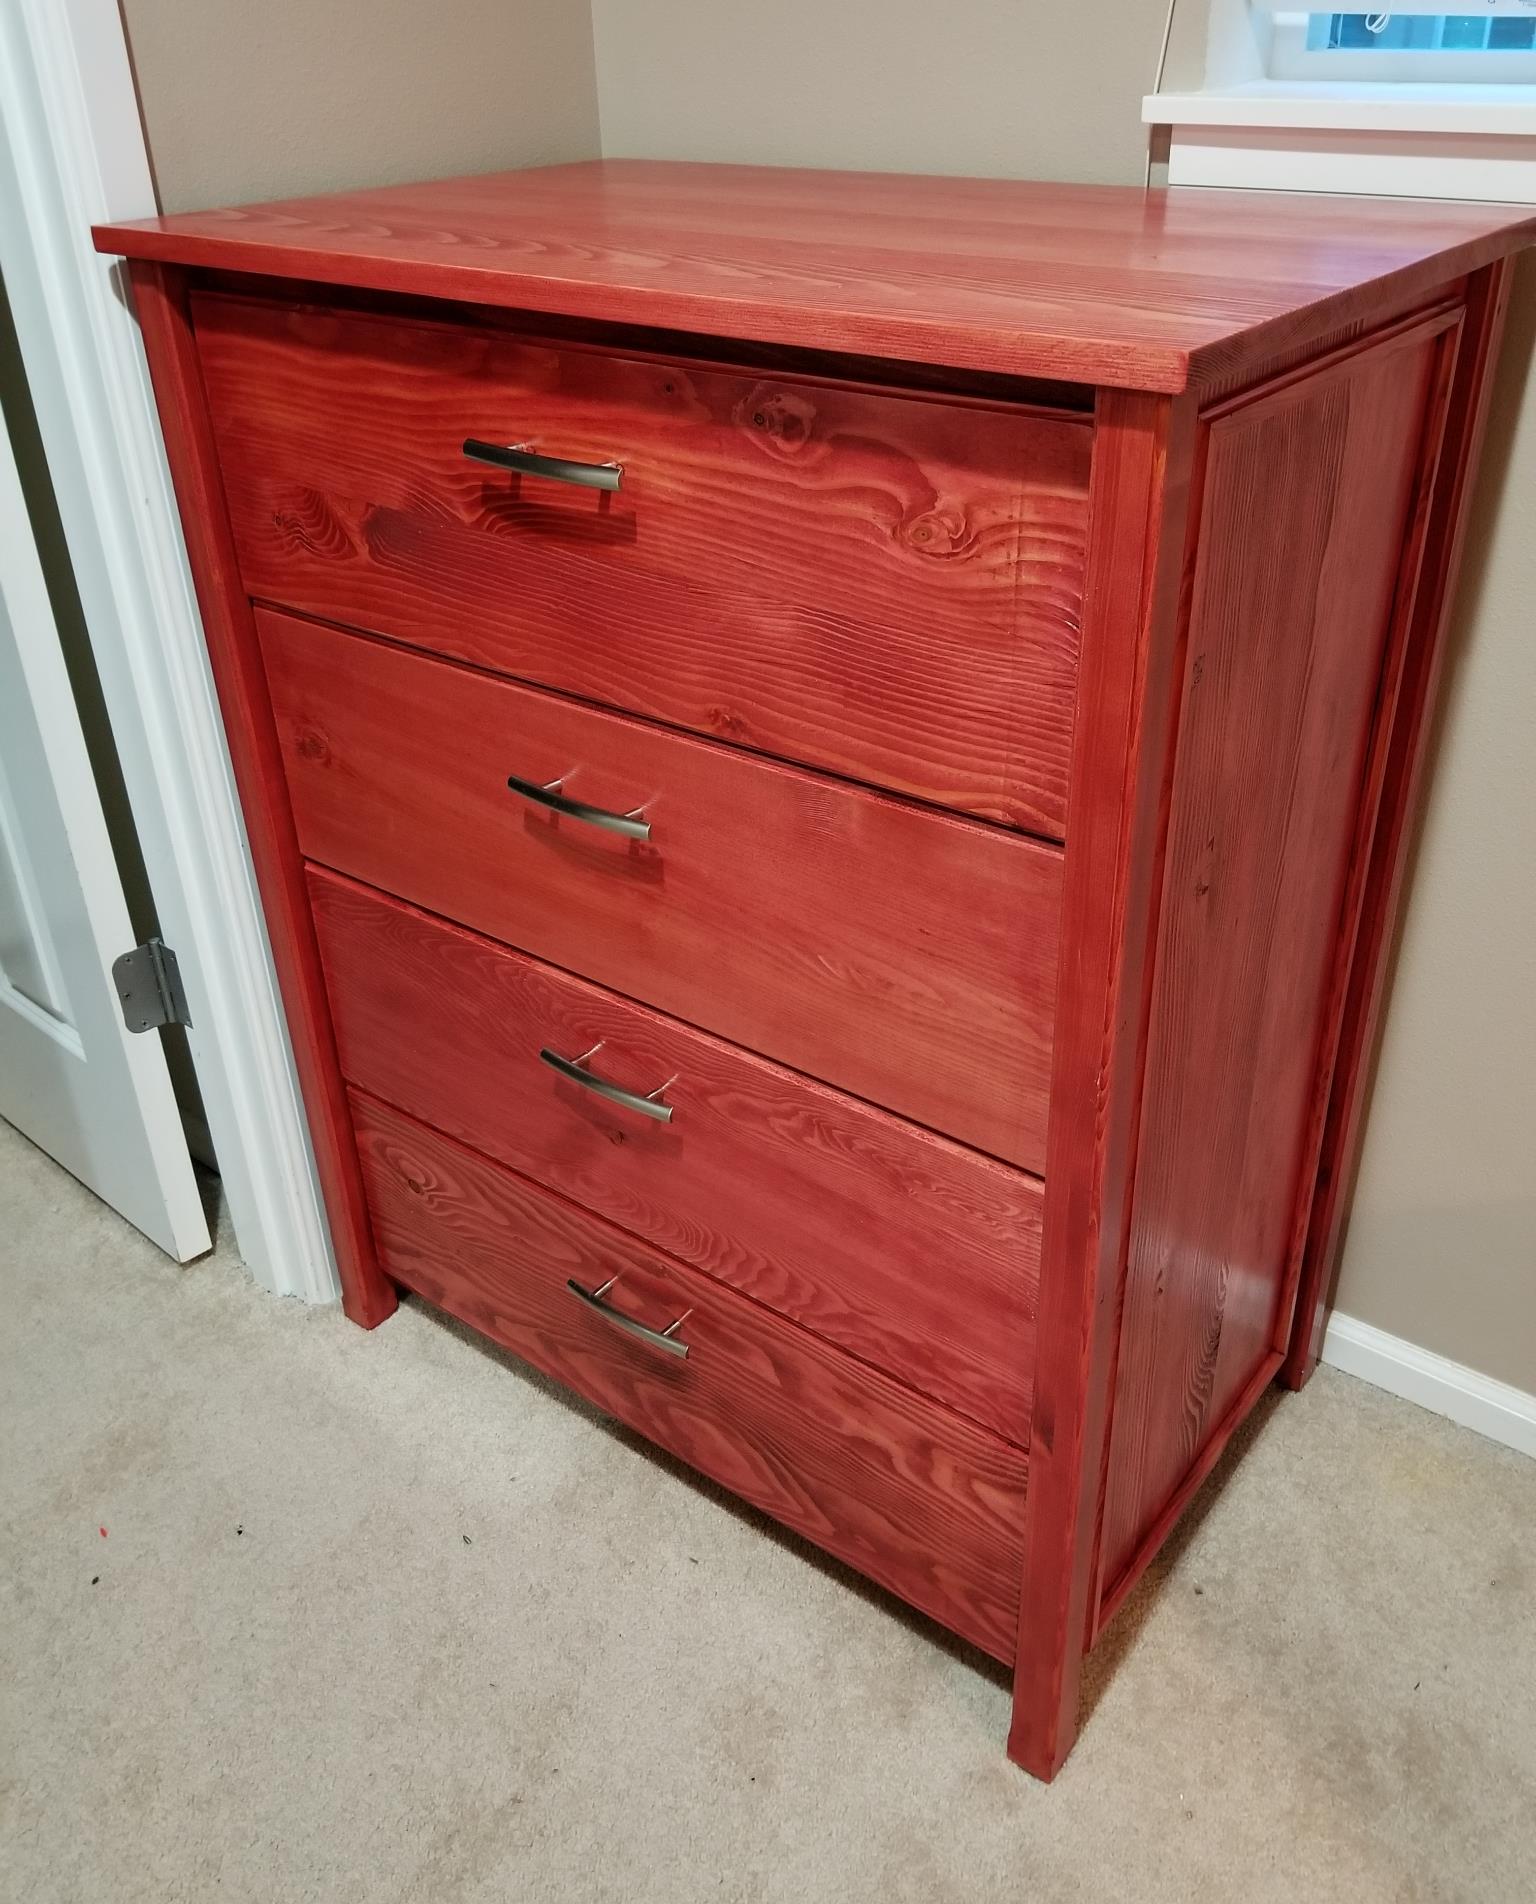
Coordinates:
[527,462]
[630,824]
[576,1070]
[665,1339]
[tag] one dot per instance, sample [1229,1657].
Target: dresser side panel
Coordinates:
[1404,745]
[1308,500]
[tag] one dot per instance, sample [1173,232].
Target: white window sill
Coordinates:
[1352,106]
[1418,141]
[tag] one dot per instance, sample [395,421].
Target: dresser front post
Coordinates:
[1139,510]
[159,295]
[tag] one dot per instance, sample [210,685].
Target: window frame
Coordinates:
[1291,58]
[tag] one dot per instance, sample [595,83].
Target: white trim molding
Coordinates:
[71,139]
[1448,1388]
[1388,140]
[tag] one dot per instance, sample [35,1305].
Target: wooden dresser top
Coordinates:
[1147,290]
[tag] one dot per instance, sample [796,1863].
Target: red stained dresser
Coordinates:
[829,759]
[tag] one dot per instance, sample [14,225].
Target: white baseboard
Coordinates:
[1491,1408]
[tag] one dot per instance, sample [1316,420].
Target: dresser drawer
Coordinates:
[884,585]
[904,955]
[912,1253]
[924,1502]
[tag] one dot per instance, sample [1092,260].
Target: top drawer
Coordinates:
[884,585]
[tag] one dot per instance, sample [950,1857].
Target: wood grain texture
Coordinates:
[922,1501]
[894,951]
[160,304]
[1307,494]
[912,1253]
[799,362]
[1111,1598]
[1131,627]
[1151,290]
[884,586]
[1347,946]
[1385,841]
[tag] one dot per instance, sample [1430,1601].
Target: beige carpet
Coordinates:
[380,1617]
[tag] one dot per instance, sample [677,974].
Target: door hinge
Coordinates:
[148,982]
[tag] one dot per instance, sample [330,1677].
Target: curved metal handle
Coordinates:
[665,1339]
[575,1069]
[549,795]
[527,462]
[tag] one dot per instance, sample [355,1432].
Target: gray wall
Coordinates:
[246,99]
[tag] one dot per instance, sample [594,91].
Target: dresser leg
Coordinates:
[1301,1359]
[1044,1726]
[369,1300]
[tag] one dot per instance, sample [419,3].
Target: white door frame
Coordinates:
[72,153]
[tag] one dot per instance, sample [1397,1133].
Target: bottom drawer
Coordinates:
[921,1500]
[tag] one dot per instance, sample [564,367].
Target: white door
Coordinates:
[82,1087]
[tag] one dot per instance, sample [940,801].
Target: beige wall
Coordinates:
[247,99]
[1005,87]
